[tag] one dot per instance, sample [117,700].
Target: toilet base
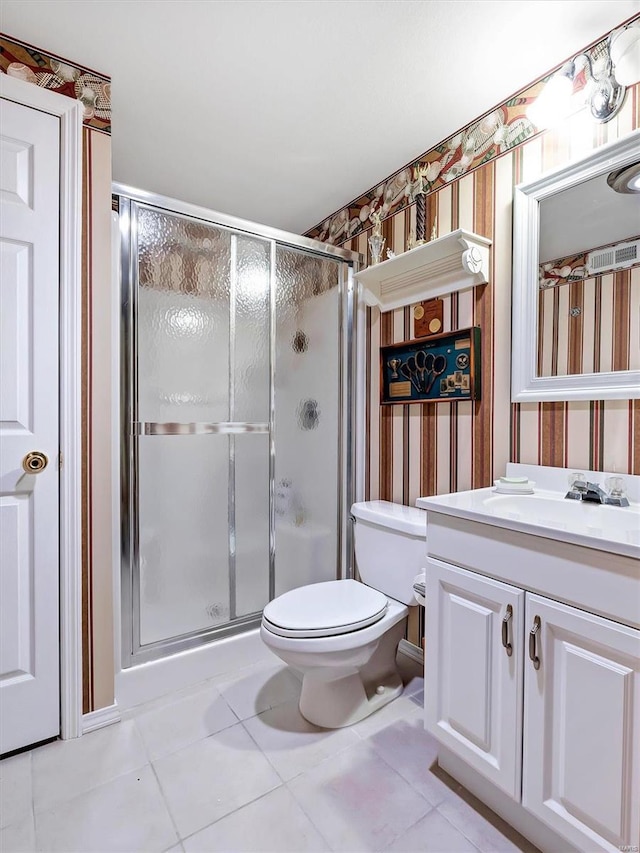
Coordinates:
[335,702]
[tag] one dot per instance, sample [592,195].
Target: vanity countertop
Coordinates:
[546,513]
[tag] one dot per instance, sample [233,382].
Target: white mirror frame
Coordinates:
[526,386]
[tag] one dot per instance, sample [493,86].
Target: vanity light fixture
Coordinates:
[553,102]
[606,80]
[624,48]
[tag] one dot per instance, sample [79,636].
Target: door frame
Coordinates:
[69,113]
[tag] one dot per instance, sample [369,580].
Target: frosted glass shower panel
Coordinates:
[251,523]
[252,331]
[183,534]
[307,425]
[183,271]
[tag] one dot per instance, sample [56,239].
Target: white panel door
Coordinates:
[582,727]
[473,686]
[29,271]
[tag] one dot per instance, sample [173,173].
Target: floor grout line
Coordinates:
[408,714]
[308,816]
[166,803]
[460,829]
[235,811]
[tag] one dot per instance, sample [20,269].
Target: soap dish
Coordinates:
[506,486]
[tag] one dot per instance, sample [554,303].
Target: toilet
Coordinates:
[343,635]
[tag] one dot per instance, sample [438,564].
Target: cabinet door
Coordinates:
[473,687]
[582,727]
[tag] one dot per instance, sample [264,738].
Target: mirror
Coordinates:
[576,282]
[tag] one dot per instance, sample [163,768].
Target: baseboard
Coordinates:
[100,718]
[411,651]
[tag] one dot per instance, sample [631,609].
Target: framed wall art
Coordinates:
[441,367]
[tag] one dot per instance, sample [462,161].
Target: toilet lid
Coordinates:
[325,609]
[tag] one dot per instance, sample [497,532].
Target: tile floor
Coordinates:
[230,765]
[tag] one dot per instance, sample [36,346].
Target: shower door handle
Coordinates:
[218,428]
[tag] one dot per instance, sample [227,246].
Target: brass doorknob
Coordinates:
[35,462]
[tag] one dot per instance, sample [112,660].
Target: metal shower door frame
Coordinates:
[131,428]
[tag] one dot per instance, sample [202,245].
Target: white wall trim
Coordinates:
[100,718]
[526,386]
[69,112]
[116,539]
[360,391]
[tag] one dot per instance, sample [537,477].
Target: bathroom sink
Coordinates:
[560,514]
[548,513]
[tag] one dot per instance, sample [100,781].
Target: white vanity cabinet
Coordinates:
[474,701]
[553,722]
[581,757]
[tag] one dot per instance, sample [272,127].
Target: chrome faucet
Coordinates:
[581,490]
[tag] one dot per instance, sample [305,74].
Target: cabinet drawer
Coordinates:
[473,686]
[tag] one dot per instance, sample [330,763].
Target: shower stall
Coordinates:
[237,363]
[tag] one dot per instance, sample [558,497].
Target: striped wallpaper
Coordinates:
[433,449]
[424,450]
[97,438]
[591,325]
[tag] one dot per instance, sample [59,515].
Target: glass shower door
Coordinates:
[235,408]
[201,542]
[308,374]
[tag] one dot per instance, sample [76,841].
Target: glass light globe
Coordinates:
[553,103]
[625,55]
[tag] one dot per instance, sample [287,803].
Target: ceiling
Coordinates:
[585,217]
[282,111]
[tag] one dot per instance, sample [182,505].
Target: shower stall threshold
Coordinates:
[151,680]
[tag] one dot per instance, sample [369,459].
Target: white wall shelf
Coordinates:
[454,262]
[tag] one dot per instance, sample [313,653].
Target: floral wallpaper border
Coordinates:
[93,90]
[573,267]
[562,271]
[501,129]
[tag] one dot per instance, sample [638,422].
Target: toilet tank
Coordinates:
[390,546]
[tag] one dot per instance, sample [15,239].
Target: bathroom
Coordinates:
[143,724]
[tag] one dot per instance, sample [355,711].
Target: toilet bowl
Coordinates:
[343,635]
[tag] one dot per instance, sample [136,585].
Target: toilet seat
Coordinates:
[325,609]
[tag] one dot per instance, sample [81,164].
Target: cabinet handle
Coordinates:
[505,630]
[533,636]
